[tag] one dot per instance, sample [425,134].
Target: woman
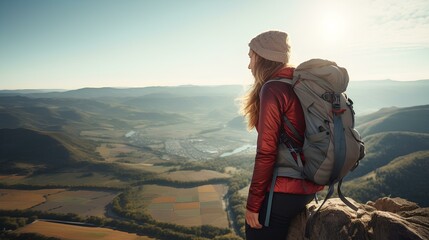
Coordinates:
[264,105]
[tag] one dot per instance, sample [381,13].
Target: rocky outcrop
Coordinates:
[384,219]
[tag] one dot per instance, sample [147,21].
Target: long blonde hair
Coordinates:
[263,70]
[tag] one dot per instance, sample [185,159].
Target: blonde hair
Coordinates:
[263,70]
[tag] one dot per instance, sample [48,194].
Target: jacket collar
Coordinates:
[286,72]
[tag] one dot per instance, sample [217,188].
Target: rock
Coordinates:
[384,219]
[393,205]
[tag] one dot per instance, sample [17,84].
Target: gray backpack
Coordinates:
[332,147]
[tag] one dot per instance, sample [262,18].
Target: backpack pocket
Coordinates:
[285,158]
[360,152]
[316,149]
[316,145]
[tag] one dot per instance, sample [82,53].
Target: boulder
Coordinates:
[384,219]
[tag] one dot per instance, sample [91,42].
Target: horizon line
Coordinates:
[182,85]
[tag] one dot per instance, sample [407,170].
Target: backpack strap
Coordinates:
[328,195]
[339,139]
[270,198]
[292,129]
[344,199]
[293,172]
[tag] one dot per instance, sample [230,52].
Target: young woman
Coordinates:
[264,105]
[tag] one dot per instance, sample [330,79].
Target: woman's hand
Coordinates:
[253,219]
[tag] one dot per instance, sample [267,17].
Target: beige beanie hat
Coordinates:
[272,45]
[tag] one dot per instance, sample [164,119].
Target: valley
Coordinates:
[167,162]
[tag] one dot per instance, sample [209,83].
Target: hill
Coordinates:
[405,176]
[37,149]
[382,148]
[107,92]
[238,123]
[56,114]
[411,119]
[370,96]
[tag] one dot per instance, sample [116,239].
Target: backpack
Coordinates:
[332,146]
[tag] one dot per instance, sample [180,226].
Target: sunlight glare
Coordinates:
[333,27]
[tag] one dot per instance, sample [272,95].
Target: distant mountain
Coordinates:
[411,119]
[370,96]
[238,123]
[109,92]
[405,177]
[28,91]
[54,114]
[40,114]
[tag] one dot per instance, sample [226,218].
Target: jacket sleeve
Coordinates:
[266,151]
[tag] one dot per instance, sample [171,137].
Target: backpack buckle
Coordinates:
[335,100]
[336,104]
[338,111]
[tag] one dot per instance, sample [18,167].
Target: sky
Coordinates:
[71,44]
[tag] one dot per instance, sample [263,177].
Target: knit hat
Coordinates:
[271,45]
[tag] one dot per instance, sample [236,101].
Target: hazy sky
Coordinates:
[70,44]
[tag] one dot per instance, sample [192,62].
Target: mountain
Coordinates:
[370,96]
[397,143]
[412,119]
[23,149]
[108,92]
[390,133]
[404,176]
[238,123]
[24,145]
[55,114]
[382,148]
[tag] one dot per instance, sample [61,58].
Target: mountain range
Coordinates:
[58,127]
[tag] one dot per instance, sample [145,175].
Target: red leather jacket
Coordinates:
[276,99]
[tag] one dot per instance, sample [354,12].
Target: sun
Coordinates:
[333,27]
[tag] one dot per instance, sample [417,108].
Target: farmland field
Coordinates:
[11,178]
[112,152]
[69,179]
[23,199]
[71,232]
[186,206]
[85,203]
[189,176]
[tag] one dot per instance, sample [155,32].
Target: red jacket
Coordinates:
[276,99]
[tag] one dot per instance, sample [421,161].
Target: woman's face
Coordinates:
[252,56]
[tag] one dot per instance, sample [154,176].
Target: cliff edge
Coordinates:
[384,219]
